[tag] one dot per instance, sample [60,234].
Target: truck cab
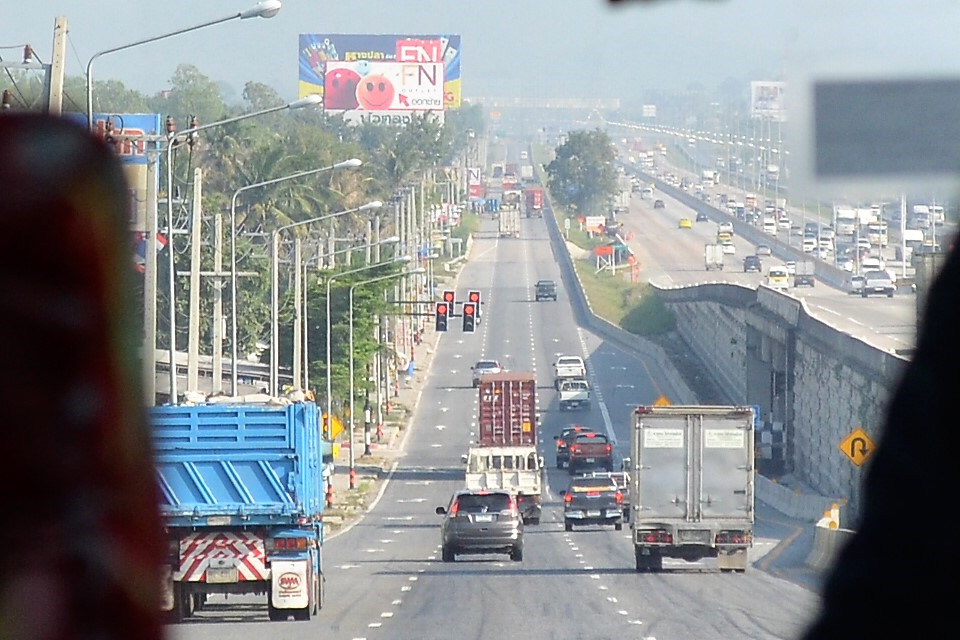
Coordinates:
[565,367]
[574,394]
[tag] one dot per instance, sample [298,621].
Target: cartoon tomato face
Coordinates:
[375,92]
[340,89]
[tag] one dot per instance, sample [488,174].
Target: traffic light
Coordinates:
[473,297]
[450,297]
[469,317]
[442,311]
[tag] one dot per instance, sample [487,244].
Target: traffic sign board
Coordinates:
[857,446]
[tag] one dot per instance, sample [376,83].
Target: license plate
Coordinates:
[593,513]
[589,460]
[483,517]
[221,575]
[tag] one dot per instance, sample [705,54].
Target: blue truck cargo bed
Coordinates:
[238,465]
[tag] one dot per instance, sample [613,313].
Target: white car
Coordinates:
[729,248]
[809,244]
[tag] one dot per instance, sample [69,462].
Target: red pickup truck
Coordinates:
[589,450]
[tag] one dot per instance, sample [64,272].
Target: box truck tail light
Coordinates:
[619,497]
[734,537]
[658,536]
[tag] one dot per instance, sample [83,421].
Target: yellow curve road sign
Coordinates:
[857,446]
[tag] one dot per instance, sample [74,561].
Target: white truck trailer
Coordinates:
[692,485]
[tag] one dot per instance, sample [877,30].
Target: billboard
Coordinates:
[368,91]
[318,51]
[766,101]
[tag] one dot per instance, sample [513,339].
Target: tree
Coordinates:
[582,176]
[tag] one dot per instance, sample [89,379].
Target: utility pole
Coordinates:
[193,339]
[57,63]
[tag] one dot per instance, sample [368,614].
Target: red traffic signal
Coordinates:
[449,297]
[469,317]
[440,316]
[474,297]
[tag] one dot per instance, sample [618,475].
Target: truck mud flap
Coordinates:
[732,560]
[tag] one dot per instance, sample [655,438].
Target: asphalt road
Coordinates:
[385,578]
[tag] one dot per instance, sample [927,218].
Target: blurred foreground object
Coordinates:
[81,543]
[885,569]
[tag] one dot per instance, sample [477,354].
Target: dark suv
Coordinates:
[567,434]
[481,522]
[546,290]
[592,500]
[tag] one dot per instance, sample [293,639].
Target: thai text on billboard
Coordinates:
[766,101]
[317,51]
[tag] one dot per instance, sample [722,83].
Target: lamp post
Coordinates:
[353,162]
[274,293]
[389,276]
[298,104]
[397,260]
[263,9]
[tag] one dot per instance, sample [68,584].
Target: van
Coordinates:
[770,225]
[778,278]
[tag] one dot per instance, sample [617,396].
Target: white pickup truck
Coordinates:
[574,394]
[567,367]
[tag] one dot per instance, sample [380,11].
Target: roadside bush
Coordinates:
[649,316]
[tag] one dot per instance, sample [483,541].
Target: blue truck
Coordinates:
[241,496]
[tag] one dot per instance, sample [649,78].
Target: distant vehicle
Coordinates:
[685,223]
[729,248]
[589,451]
[483,367]
[563,440]
[784,223]
[764,250]
[804,272]
[809,244]
[566,367]
[713,256]
[778,278]
[658,204]
[855,285]
[877,283]
[574,394]
[523,155]
[546,290]
[646,193]
[702,217]
[872,263]
[725,227]
[790,266]
[592,500]
[481,521]
[752,263]
[622,480]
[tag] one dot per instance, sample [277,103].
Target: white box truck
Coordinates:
[692,485]
[713,256]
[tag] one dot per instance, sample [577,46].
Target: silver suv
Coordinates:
[484,367]
[481,522]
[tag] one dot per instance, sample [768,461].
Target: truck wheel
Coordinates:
[276,615]
[648,563]
[182,603]
[533,521]
[447,554]
[516,554]
[618,526]
[567,526]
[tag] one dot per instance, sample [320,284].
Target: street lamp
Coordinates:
[353,162]
[397,260]
[417,271]
[275,287]
[310,100]
[263,9]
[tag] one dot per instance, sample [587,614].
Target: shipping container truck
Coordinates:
[242,498]
[509,222]
[804,274]
[692,485]
[505,454]
[533,197]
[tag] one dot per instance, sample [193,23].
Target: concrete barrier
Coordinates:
[827,544]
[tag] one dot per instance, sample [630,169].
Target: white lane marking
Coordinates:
[386,614]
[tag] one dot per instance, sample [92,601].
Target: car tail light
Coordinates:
[609,448]
[619,496]
[454,508]
[514,510]
[574,448]
[734,537]
[658,536]
[568,498]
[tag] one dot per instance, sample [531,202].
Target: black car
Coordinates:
[592,499]
[702,217]
[752,263]
[658,204]
[546,290]
[567,434]
[481,522]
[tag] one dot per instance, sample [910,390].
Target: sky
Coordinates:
[530,48]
